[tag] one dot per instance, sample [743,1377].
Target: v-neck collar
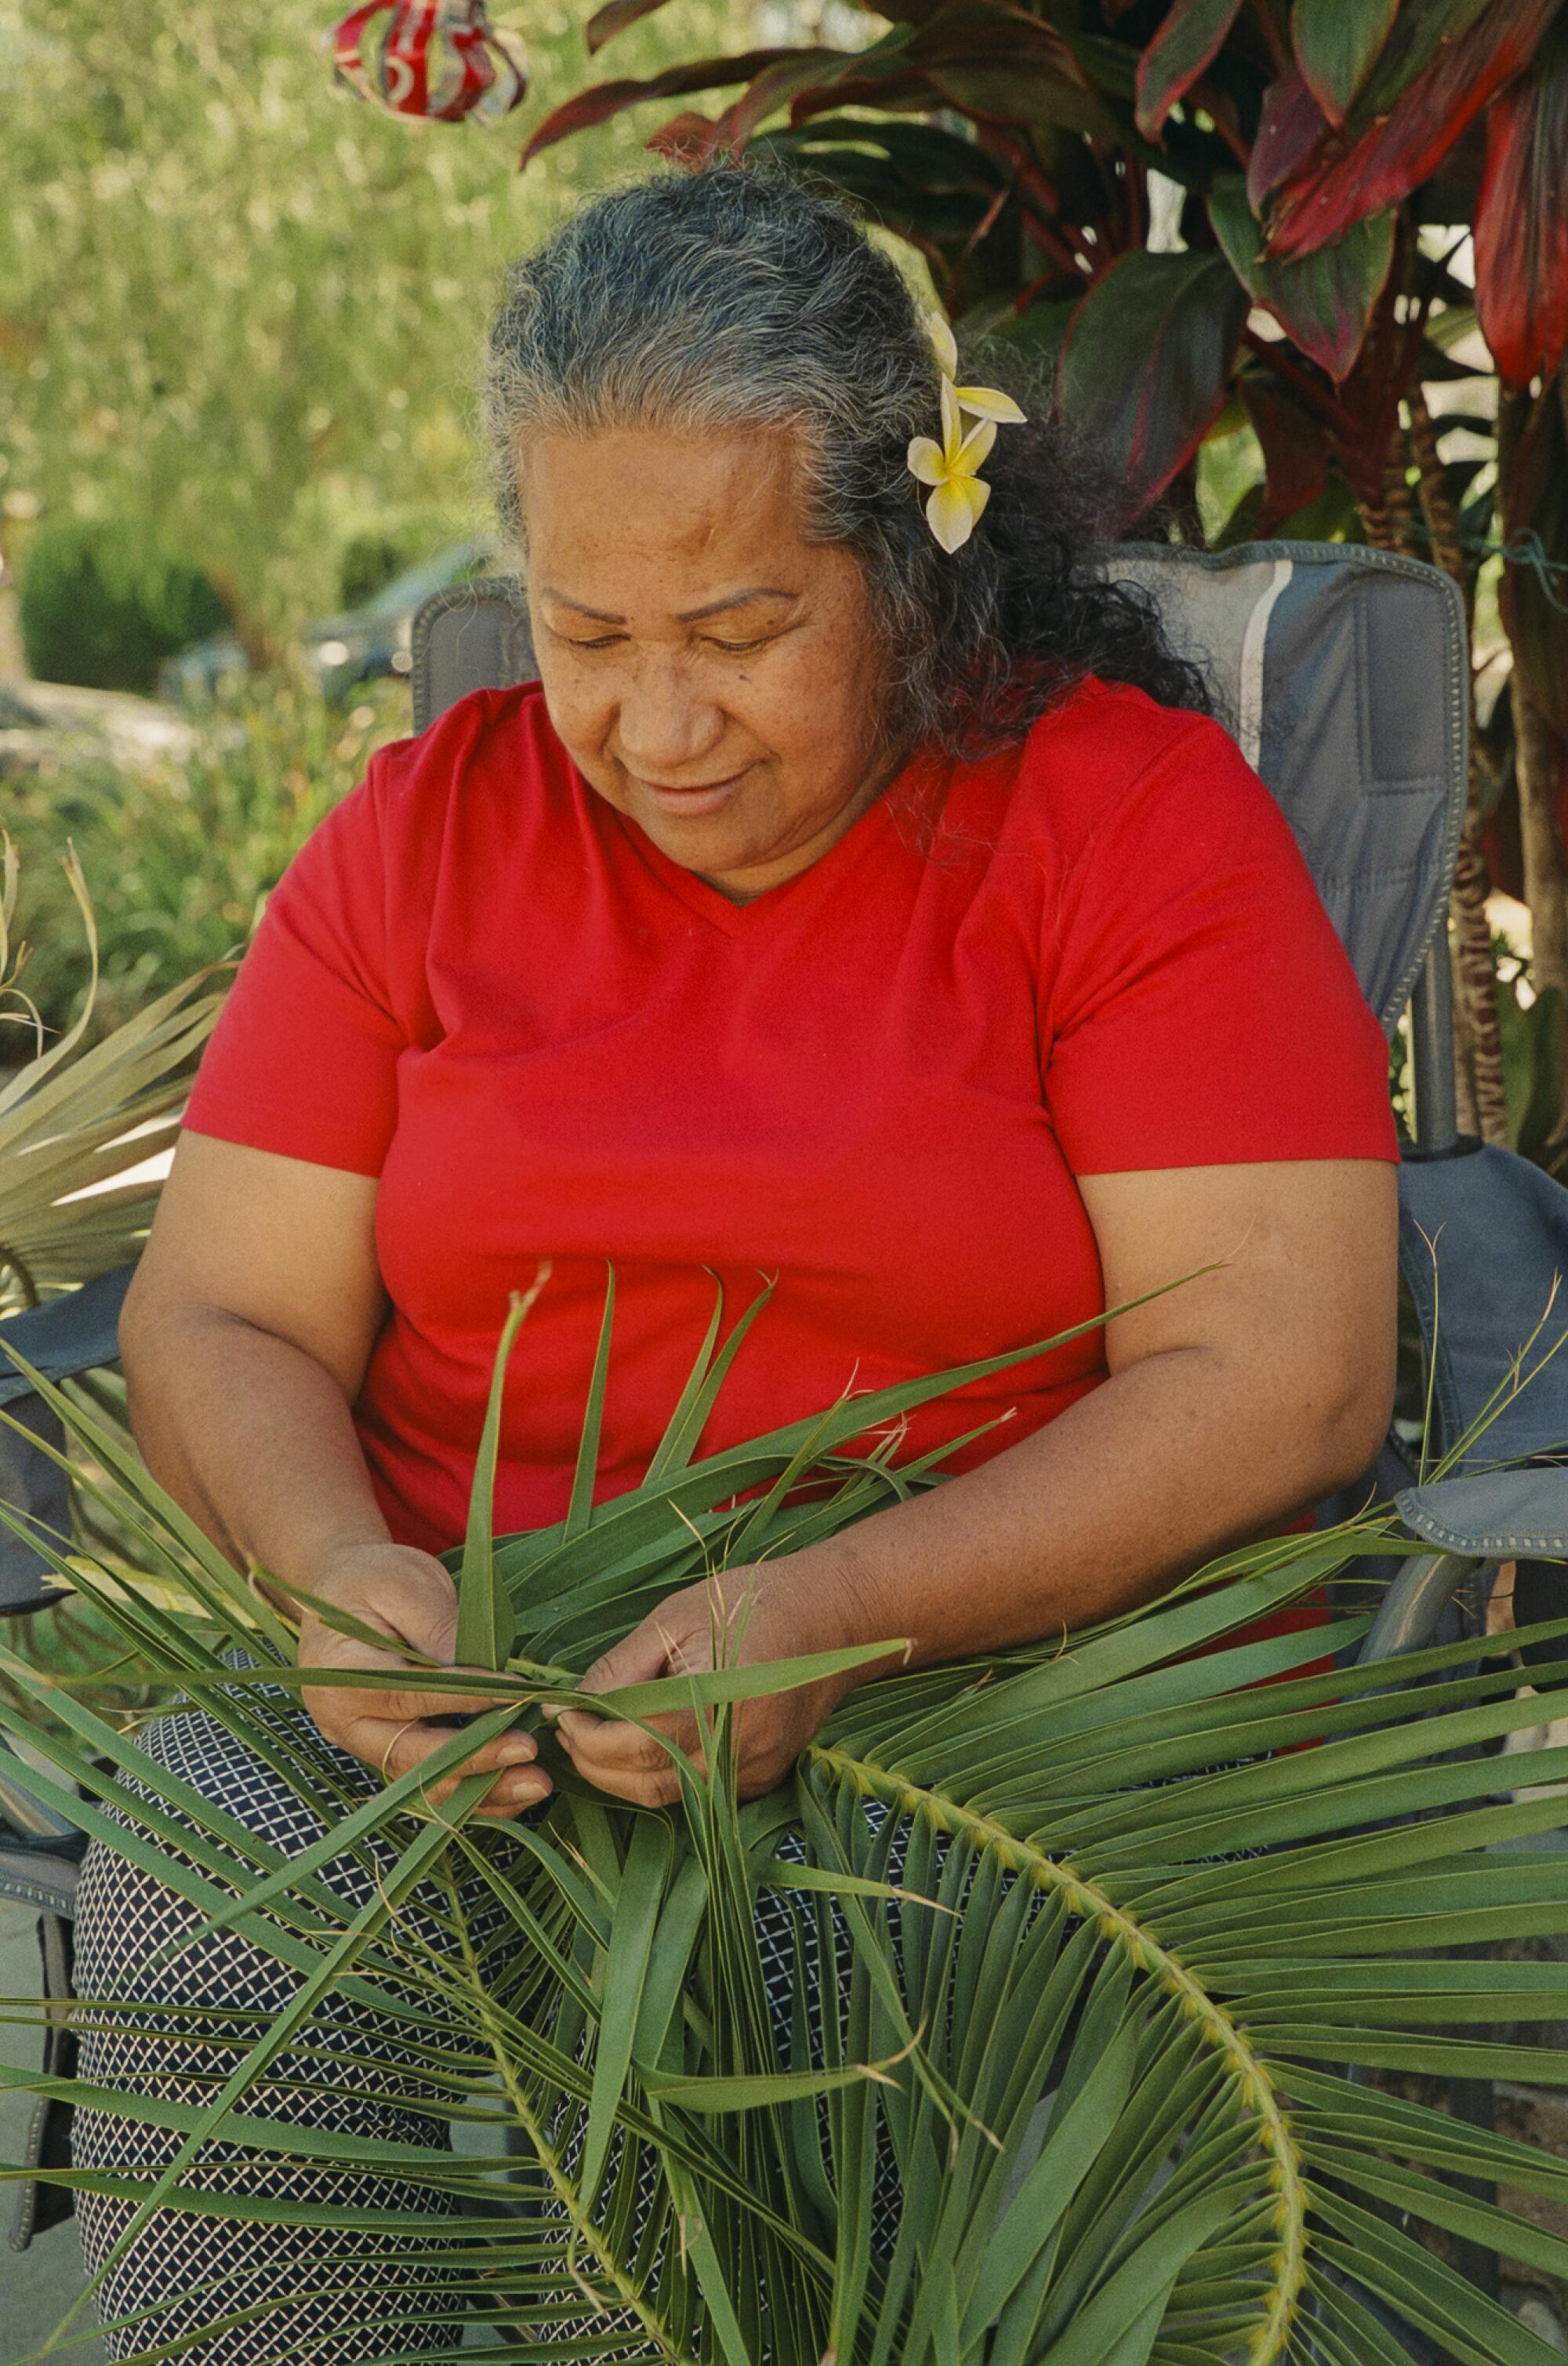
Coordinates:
[819,880]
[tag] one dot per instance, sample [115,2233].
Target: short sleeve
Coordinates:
[1202,1009]
[303,1060]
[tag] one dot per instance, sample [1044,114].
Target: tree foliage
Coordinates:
[239,309]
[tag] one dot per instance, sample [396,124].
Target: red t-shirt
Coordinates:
[1096,951]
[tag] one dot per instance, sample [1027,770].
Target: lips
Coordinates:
[705,797]
[691,788]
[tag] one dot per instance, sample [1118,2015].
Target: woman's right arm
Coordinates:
[245,1340]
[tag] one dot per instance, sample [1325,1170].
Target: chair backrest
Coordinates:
[1342,672]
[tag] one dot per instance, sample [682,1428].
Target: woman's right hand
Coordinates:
[410,1597]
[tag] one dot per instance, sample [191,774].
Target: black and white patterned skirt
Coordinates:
[246,2291]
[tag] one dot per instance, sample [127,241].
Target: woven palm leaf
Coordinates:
[1090,1949]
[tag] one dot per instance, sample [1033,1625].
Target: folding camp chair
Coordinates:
[1343,673]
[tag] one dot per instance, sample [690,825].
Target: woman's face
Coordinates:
[713,674]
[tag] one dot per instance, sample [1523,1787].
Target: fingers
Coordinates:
[519,1788]
[363,1720]
[389,1720]
[625,1762]
[399,1750]
[644,1791]
[403,1704]
[619,1747]
[395,1747]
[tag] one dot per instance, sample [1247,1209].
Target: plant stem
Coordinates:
[1475,970]
[1536,759]
[1463,1049]
[1477,976]
[1437,508]
[1536,756]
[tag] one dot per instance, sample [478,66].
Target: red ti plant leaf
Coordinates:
[605,23]
[689,139]
[603,99]
[1357,173]
[1040,332]
[1290,128]
[1295,131]
[1005,66]
[1184,48]
[1336,44]
[987,59]
[1419,33]
[1028,90]
[812,82]
[1296,460]
[913,11]
[799,82]
[1324,301]
[1146,364]
[1521,219]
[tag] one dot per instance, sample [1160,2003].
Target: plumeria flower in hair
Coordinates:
[958,494]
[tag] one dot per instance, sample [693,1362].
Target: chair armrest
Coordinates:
[35,1877]
[1519,1515]
[74,1333]
[1409,1614]
[77,1332]
[1493,1515]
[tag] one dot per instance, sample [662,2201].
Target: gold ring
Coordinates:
[392,1745]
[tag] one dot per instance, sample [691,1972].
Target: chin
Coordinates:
[695,848]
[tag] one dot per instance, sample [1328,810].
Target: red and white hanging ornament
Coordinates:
[439,59]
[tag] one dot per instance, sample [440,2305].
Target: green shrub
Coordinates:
[388,543]
[369,563]
[102,608]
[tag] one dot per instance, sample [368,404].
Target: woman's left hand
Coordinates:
[782,1616]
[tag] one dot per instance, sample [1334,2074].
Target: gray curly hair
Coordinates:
[737,297]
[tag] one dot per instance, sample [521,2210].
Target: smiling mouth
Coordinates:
[689,788]
[705,797]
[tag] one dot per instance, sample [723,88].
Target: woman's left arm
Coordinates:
[1233,1402]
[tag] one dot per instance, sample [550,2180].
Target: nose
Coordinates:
[667,726]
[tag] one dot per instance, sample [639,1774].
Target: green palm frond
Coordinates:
[72,1120]
[1109,1939]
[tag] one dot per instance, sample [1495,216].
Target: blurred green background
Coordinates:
[241,309]
[240,319]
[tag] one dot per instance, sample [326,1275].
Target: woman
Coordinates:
[863,898]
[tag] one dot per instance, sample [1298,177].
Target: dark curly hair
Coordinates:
[740,296]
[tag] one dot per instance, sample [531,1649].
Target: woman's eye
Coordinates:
[612,640]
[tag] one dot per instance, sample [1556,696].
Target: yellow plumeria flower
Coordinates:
[944,343]
[958,495]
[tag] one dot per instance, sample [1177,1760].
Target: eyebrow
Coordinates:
[688,615]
